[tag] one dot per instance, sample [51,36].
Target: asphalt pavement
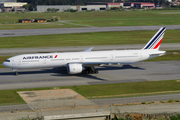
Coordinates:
[28,32]
[54,77]
[134,99]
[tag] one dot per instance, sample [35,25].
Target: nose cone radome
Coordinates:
[6,64]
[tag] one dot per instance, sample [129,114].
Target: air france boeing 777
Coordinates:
[76,62]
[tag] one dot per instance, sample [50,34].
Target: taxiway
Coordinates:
[54,77]
[28,32]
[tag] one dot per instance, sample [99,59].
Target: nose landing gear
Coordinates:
[16,72]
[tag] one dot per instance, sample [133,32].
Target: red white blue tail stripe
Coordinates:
[155,41]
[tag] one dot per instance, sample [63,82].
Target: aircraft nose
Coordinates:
[4,64]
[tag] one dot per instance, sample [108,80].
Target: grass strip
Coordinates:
[36,25]
[134,95]
[126,88]
[96,18]
[84,39]
[11,96]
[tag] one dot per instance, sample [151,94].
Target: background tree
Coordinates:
[28,7]
[52,10]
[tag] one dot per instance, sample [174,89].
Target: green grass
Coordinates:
[11,96]
[99,19]
[126,88]
[129,18]
[170,101]
[11,26]
[84,39]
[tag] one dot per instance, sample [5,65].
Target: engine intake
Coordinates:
[75,68]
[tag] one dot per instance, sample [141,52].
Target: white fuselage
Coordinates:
[76,62]
[84,58]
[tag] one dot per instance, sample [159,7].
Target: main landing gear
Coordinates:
[92,70]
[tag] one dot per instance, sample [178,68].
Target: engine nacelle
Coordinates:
[74,68]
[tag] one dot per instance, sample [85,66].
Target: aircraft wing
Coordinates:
[88,50]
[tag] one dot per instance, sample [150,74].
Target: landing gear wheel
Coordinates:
[92,70]
[16,73]
[96,71]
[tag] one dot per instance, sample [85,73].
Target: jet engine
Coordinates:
[75,68]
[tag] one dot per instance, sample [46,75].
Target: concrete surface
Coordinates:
[149,109]
[28,32]
[153,108]
[80,116]
[43,99]
[146,71]
[132,100]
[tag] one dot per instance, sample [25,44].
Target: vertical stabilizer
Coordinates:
[155,41]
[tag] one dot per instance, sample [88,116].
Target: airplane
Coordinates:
[77,62]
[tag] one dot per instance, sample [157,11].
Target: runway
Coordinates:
[54,77]
[28,32]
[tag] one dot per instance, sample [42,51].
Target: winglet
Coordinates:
[88,50]
[155,41]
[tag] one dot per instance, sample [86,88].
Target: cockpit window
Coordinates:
[7,60]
